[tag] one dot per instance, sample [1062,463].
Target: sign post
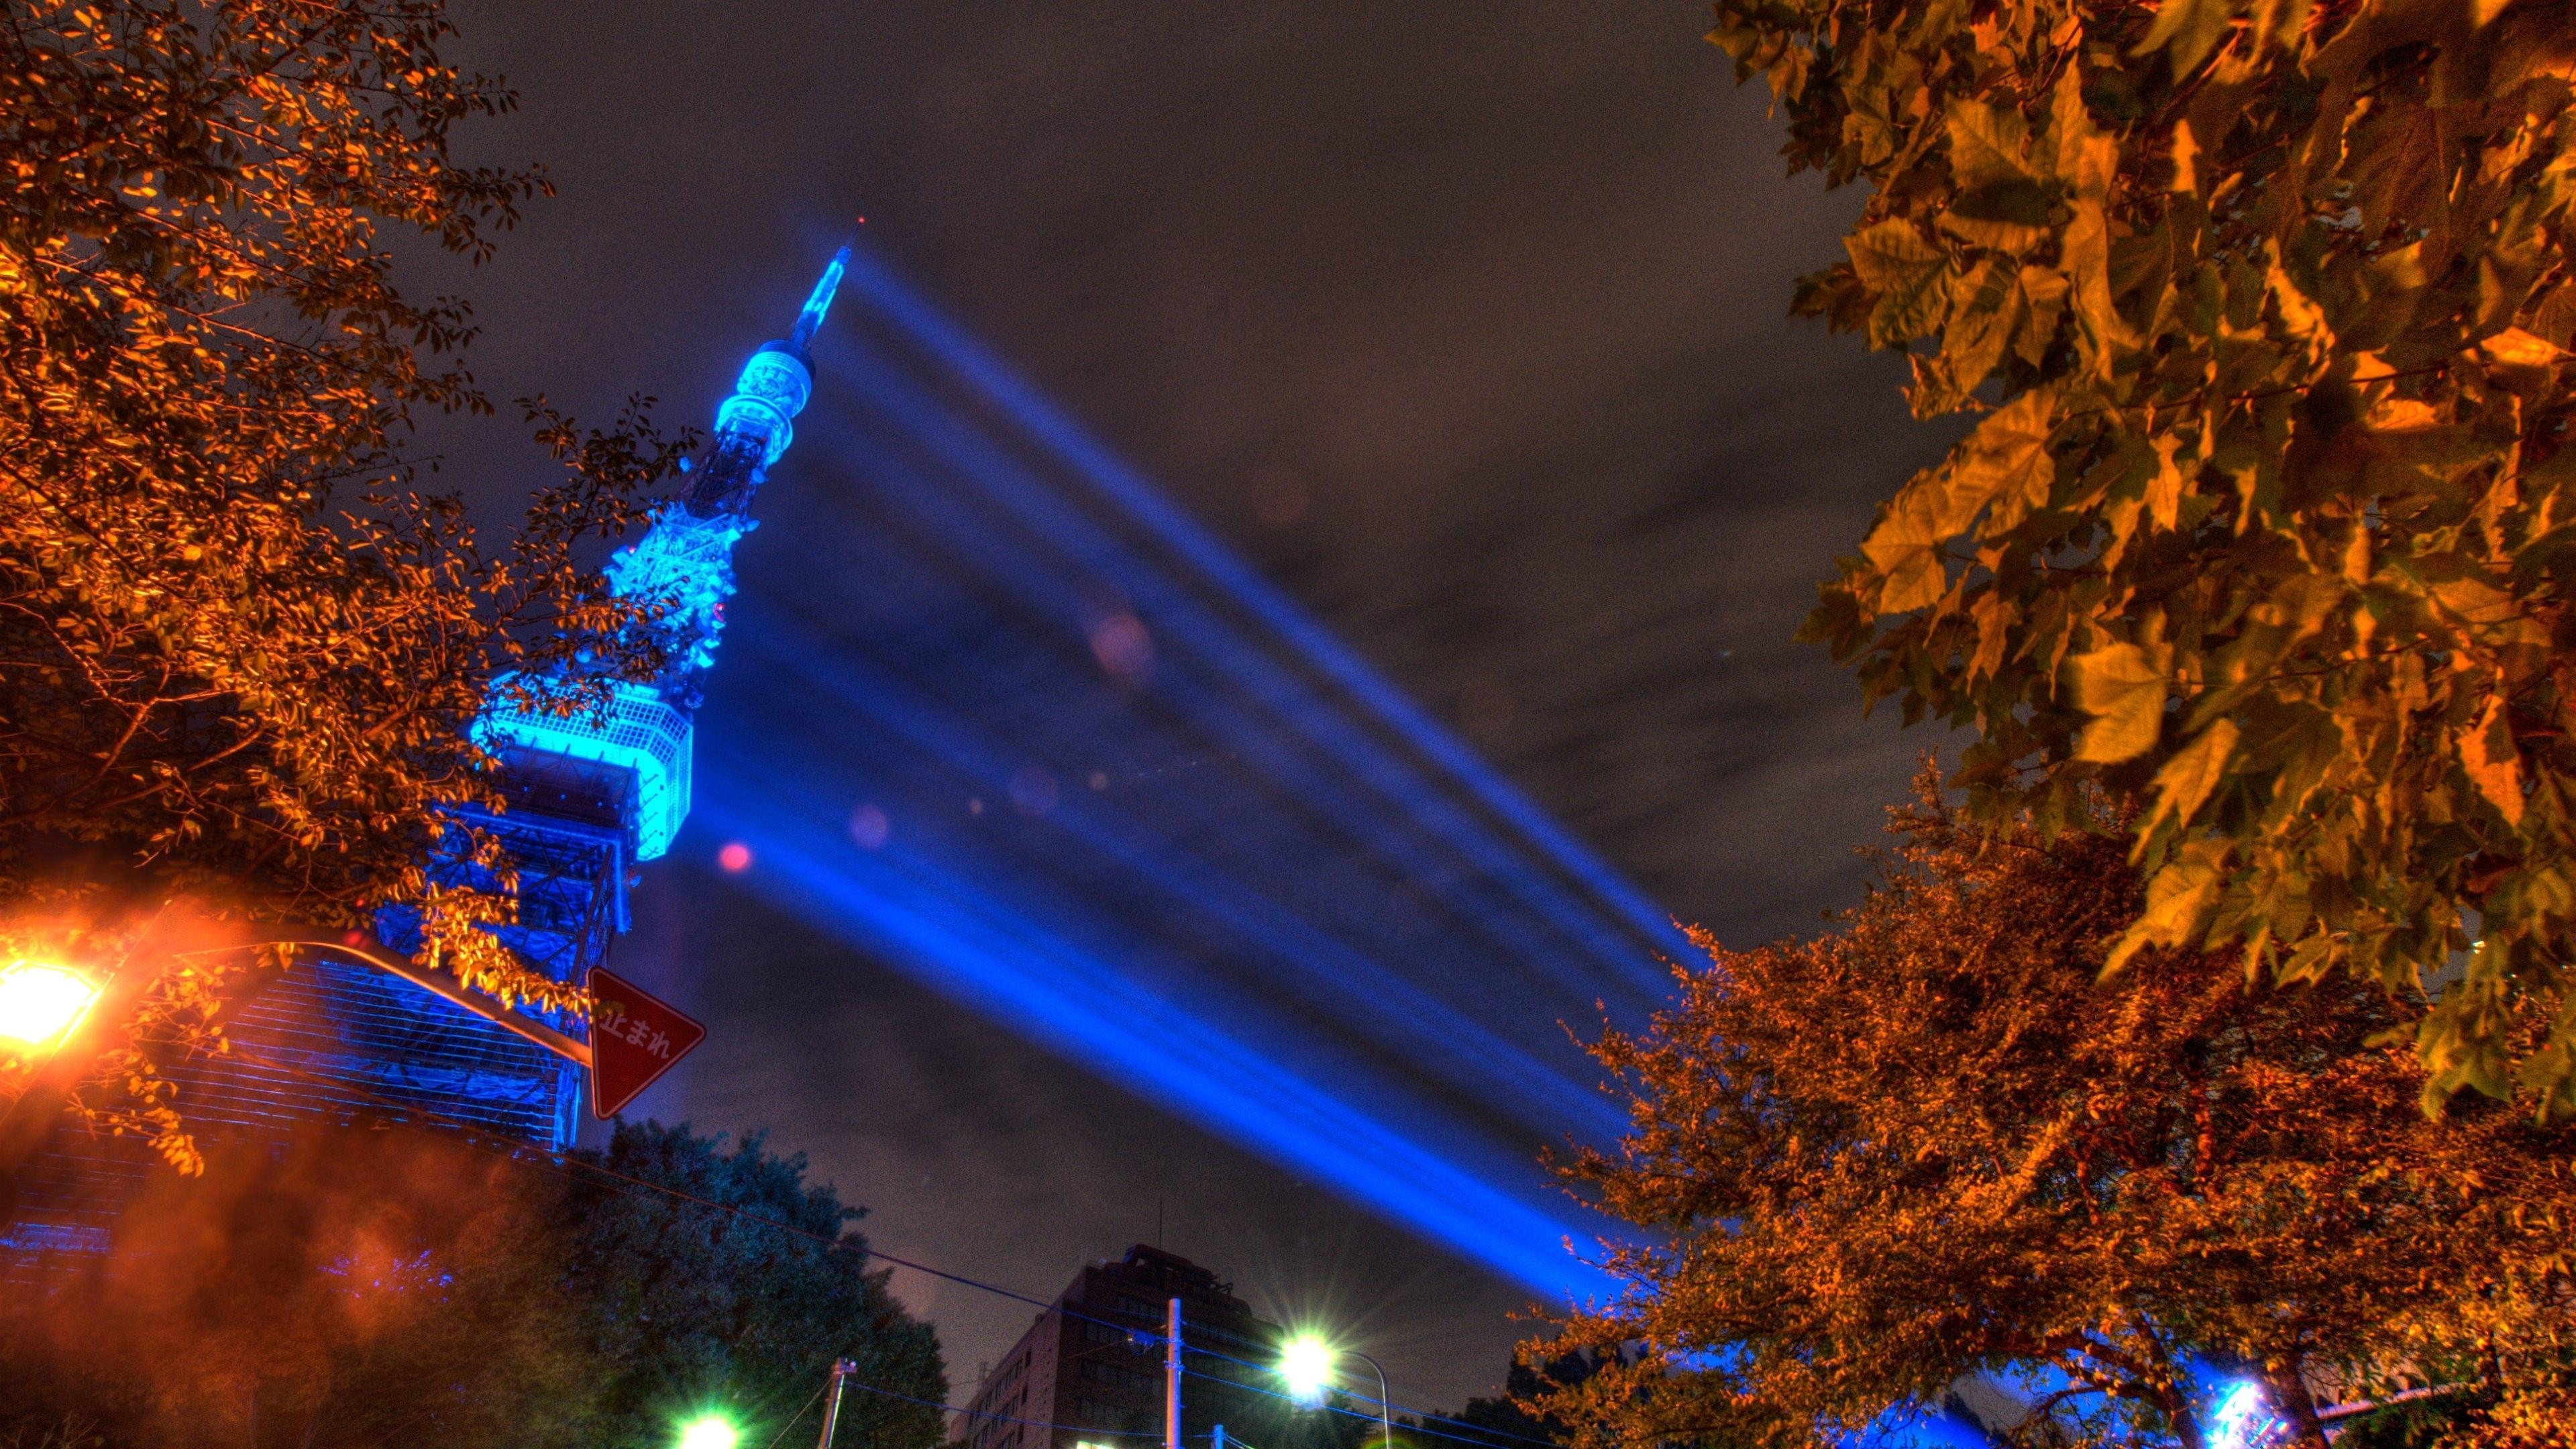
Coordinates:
[634,1038]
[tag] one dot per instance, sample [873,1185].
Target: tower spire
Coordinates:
[821,302]
[684,564]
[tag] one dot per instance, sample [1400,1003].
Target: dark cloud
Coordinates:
[1463,321]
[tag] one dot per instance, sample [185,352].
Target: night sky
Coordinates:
[1463,323]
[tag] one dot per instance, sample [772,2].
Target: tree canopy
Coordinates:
[2264,307]
[239,645]
[696,1306]
[1935,1142]
[372,1287]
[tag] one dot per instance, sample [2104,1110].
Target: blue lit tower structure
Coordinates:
[587,798]
[592,792]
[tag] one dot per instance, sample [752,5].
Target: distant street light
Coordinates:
[709,1431]
[1306,1364]
[40,1003]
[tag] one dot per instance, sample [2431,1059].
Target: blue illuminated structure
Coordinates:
[593,791]
[684,568]
[590,794]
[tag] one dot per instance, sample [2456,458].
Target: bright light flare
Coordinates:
[1306,1363]
[40,1003]
[709,1431]
[2244,1420]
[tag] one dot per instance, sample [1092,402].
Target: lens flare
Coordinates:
[2244,1419]
[1306,1364]
[709,1431]
[41,1003]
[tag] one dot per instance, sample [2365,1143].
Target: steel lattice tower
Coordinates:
[589,795]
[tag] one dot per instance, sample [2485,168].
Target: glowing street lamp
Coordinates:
[2244,1419]
[41,1003]
[1306,1366]
[709,1431]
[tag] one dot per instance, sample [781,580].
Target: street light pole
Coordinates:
[1385,1411]
[1306,1363]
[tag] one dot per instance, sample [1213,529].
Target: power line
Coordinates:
[800,1413]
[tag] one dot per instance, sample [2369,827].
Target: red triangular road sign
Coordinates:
[634,1038]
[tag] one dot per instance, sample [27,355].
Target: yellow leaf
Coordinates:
[2183,785]
[1985,306]
[2186,159]
[1916,582]
[2301,317]
[1890,255]
[1986,145]
[1995,616]
[2186,29]
[2517,348]
[2084,250]
[1904,547]
[2006,458]
[1903,271]
[2164,491]
[2125,693]
[2475,601]
[2070,127]
[2179,898]
[2487,750]
[2403,414]
[2044,291]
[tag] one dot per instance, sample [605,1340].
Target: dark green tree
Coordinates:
[1516,1418]
[736,1302]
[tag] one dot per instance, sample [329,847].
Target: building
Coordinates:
[1090,1370]
[589,796]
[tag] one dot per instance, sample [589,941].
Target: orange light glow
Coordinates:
[40,1003]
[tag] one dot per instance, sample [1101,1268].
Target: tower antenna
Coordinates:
[821,302]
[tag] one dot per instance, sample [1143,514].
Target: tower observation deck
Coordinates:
[589,793]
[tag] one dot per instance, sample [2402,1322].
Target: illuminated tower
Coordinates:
[592,794]
[637,756]
[588,799]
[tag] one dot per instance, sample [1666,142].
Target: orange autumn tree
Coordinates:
[2264,308]
[1934,1142]
[239,645]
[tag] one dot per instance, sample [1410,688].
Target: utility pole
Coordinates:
[1172,1378]
[842,1368]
